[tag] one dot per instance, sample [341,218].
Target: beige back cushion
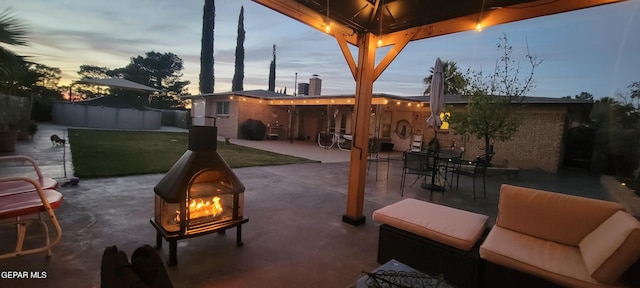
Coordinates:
[551,216]
[612,248]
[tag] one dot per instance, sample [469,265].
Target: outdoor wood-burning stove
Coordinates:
[199,195]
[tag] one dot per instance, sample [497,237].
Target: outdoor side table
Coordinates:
[400,270]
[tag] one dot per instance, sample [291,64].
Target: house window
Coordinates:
[343,124]
[444,117]
[222,108]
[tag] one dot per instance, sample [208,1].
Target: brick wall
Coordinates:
[262,112]
[538,144]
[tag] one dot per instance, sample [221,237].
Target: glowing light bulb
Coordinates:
[479,27]
[327,28]
[379,42]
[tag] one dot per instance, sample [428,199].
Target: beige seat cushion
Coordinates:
[557,217]
[454,227]
[555,262]
[612,248]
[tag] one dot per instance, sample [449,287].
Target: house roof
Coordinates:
[460,99]
[118,83]
[450,99]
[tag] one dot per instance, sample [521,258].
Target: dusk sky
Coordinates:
[595,50]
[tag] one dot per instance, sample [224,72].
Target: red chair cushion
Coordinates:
[14,187]
[27,203]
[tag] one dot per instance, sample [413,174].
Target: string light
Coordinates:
[327,26]
[328,100]
[479,23]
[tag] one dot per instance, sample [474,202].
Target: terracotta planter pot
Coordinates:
[8,140]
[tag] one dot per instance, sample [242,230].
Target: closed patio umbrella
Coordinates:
[436,96]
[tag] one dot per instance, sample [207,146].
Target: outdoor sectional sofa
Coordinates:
[540,239]
[560,239]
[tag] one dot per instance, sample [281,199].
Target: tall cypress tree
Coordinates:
[238,77]
[207,79]
[272,71]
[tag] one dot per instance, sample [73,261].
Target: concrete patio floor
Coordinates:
[294,237]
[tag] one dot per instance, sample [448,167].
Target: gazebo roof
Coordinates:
[424,19]
[118,83]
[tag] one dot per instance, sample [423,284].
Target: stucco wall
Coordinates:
[77,115]
[227,124]
[263,113]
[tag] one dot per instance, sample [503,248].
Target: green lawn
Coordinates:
[107,153]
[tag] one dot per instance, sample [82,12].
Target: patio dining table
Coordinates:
[443,156]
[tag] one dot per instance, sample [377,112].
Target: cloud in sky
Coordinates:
[593,50]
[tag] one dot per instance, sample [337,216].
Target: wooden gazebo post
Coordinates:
[364,75]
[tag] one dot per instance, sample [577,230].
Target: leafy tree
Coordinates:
[632,99]
[635,91]
[635,95]
[45,91]
[581,96]
[603,113]
[272,71]
[18,78]
[238,76]
[584,96]
[91,72]
[49,76]
[166,101]
[12,32]
[617,149]
[207,77]
[158,70]
[13,68]
[23,78]
[454,80]
[489,114]
[37,82]
[610,113]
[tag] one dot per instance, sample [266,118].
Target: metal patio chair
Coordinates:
[480,165]
[417,163]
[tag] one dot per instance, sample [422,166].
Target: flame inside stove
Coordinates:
[200,208]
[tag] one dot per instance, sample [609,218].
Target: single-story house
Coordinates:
[539,143]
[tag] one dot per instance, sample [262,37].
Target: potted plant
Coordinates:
[8,140]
